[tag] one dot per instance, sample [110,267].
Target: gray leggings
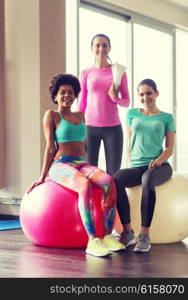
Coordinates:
[149,178]
[113,146]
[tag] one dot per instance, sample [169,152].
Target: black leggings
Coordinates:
[149,178]
[113,146]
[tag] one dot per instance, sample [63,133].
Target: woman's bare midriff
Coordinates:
[70,148]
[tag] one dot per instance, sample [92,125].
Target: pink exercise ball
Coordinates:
[50,217]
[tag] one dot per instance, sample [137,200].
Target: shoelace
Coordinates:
[113,238]
[142,238]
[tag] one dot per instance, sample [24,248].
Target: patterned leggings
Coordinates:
[81,177]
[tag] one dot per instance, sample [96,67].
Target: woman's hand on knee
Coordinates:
[155,163]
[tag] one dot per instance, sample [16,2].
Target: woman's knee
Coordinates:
[146,177]
[107,183]
[124,178]
[156,176]
[119,176]
[109,179]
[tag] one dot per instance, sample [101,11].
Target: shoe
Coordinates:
[127,238]
[143,243]
[116,234]
[112,243]
[96,247]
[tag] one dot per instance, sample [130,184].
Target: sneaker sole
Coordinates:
[132,242]
[144,250]
[98,255]
[117,249]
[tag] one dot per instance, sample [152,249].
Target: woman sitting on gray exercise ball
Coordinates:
[147,128]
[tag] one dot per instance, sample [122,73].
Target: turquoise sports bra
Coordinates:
[69,132]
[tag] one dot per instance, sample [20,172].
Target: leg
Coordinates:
[126,178]
[93,141]
[151,178]
[105,182]
[72,178]
[113,146]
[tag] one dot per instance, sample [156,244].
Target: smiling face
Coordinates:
[100,47]
[147,96]
[65,96]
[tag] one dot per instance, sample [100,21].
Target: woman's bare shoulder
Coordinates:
[51,116]
[50,113]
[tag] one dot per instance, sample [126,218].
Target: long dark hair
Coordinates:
[101,35]
[149,82]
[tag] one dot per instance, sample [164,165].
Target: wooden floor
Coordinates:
[20,259]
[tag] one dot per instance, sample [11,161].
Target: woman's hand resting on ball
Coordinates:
[33,185]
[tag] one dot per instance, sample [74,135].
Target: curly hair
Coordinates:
[62,79]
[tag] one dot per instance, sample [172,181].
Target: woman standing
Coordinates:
[64,162]
[99,100]
[147,128]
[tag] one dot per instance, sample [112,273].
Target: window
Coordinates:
[182,101]
[153,59]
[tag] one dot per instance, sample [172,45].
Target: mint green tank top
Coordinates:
[69,132]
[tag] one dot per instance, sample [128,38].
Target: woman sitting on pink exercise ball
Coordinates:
[64,162]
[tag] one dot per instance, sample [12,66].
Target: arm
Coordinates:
[82,116]
[48,125]
[128,146]
[82,99]
[123,90]
[169,146]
